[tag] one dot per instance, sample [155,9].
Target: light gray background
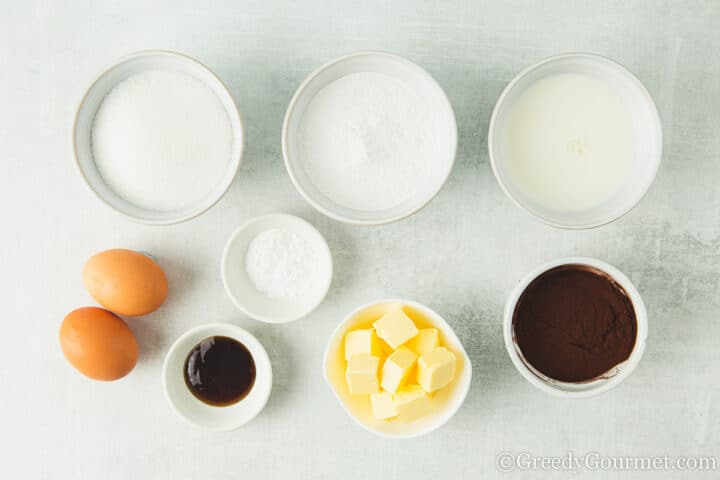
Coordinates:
[461,255]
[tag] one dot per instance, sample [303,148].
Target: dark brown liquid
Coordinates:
[219,371]
[574,323]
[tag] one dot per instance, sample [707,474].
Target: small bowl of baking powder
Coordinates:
[369,138]
[276,268]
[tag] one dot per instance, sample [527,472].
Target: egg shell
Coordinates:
[125,281]
[98,343]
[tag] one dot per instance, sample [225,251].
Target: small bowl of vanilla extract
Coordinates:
[217,376]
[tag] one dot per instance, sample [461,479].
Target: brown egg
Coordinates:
[126,282]
[98,343]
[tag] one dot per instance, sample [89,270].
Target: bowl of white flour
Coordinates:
[369,138]
[158,137]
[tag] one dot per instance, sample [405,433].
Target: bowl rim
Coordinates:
[463,389]
[300,91]
[553,387]
[594,58]
[260,356]
[280,217]
[233,164]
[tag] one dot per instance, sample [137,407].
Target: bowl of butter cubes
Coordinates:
[397,368]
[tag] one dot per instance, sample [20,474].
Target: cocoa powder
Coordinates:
[574,323]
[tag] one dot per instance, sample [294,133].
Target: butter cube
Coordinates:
[383,405]
[435,369]
[412,403]
[362,374]
[427,339]
[362,342]
[386,349]
[395,327]
[396,369]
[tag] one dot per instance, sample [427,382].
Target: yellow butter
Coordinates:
[362,374]
[362,342]
[426,340]
[383,405]
[435,369]
[412,403]
[395,327]
[385,348]
[396,369]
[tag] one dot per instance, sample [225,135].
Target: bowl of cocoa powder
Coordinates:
[575,327]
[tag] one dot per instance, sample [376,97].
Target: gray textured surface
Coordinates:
[460,255]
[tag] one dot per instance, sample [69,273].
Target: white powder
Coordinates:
[367,141]
[162,140]
[281,264]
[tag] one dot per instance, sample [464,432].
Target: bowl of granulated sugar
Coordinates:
[369,138]
[158,137]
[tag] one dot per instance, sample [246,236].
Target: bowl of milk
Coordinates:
[575,140]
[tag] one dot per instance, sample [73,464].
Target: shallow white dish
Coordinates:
[647,136]
[132,64]
[240,288]
[388,64]
[447,400]
[608,380]
[201,414]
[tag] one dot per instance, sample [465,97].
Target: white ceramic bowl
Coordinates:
[127,66]
[388,64]
[647,135]
[201,414]
[608,380]
[447,400]
[240,288]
